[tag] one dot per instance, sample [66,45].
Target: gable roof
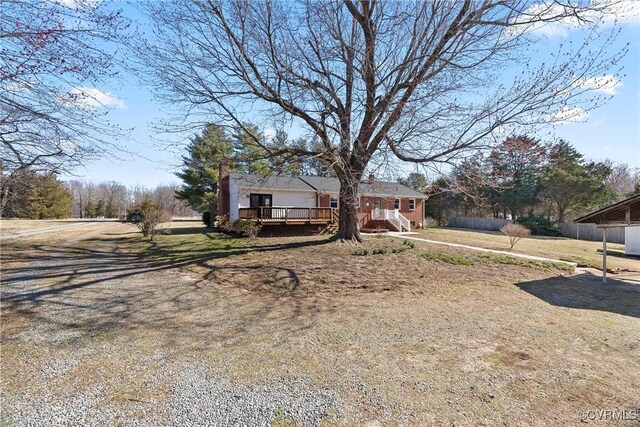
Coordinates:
[615,213]
[270,182]
[321,185]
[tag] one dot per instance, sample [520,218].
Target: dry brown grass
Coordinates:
[12,225]
[584,253]
[400,337]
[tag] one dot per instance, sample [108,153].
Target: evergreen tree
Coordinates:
[111,209]
[516,165]
[416,181]
[49,198]
[90,210]
[100,209]
[199,171]
[570,183]
[37,196]
[249,156]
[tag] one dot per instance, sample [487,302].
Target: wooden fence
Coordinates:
[574,231]
[591,232]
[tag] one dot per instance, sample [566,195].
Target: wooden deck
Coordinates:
[290,216]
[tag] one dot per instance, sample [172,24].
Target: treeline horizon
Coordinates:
[524,178]
[111,199]
[43,195]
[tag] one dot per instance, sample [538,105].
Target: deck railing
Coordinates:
[283,214]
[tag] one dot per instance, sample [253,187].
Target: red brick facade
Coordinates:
[323,200]
[223,189]
[368,203]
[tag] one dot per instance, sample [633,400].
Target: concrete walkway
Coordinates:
[584,274]
[409,236]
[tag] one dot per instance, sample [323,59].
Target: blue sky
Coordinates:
[609,132]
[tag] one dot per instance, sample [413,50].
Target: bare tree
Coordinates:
[164,195]
[427,82]
[622,179]
[53,56]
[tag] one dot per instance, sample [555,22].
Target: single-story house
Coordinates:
[295,200]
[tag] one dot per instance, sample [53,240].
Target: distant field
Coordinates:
[579,251]
[16,225]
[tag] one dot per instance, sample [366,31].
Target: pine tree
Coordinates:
[100,209]
[49,198]
[573,184]
[516,165]
[199,172]
[249,155]
[90,210]
[111,209]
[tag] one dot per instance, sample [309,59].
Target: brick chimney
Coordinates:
[223,188]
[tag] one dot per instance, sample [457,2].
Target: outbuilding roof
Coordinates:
[321,185]
[626,211]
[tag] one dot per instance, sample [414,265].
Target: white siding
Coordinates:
[234,213]
[239,198]
[632,240]
[281,198]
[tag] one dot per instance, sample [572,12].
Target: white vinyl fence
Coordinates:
[567,229]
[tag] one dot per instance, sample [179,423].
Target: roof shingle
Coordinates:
[321,185]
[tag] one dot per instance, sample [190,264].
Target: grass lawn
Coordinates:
[397,332]
[584,253]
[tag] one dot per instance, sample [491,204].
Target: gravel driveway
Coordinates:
[203,329]
[77,349]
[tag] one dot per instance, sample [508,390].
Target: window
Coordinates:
[412,204]
[377,203]
[397,204]
[333,202]
[260,200]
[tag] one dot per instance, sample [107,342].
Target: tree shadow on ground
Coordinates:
[97,287]
[587,292]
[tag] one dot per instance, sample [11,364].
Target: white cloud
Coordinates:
[92,98]
[607,84]
[270,133]
[77,4]
[569,114]
[557,20]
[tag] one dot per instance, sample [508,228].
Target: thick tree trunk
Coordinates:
[348,230]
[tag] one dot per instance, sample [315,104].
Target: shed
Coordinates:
[625,213]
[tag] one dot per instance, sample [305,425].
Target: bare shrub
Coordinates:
[247,228]
[515,232]
[147,216]
[224,223]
